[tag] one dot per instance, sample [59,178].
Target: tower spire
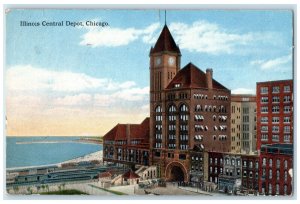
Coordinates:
[165,17]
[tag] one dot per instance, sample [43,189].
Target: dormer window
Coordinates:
[177,85]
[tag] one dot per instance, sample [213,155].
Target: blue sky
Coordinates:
[68,70]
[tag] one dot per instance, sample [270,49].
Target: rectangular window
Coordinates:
[246,119]
[264,137]
[270,174]
[275,89]
[275,138]
[275,109]
[245,110]
[263,90]
[275,99]
[264,99]
[287,129]
[287,138]
[278,163]
[287,89]
[182,156]
[286,99]
[275,119]
[275,128]
[264,128]
[264,119]
[286,119]
[264,109]
[287,109]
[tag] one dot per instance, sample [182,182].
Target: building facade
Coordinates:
[230,178]
[127,144]
[250,173]
[276,163]
[243,124]
[274,112]
[189,110]
[215,166]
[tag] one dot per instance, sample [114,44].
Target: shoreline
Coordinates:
[98,155]
[81,141]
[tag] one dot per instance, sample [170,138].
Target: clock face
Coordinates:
[157,61]
[171,61]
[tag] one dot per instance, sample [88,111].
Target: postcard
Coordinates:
[111,102]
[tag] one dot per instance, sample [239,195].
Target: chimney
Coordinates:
[128,133]
[209,75]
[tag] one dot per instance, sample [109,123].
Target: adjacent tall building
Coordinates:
[274,112]
[243,124]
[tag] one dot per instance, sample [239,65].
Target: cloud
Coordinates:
[123,97]
[114,37]
[29,78]
[78,99]
[273,63]
[243,91]
[206,37]
[44,102]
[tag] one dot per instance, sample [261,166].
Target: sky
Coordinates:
[82,81]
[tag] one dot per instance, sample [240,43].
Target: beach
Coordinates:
[88,157]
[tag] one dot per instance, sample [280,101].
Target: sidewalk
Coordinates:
[191,189]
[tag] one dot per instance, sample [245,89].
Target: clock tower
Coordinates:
[164,65]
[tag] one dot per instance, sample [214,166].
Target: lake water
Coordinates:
[34,154]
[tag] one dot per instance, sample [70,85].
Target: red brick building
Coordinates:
[274,112]
[276,164]
[215,166]
[250,173]
[127,144]
[188,109]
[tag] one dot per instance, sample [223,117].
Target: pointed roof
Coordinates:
[192,77]
[165,42]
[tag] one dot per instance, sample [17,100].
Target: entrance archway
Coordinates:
[175,171]
[176,174]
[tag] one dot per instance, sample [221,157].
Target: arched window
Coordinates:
[172,108]
[183,108]
[158,109]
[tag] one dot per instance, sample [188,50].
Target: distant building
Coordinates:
[243,124]
[276,163]
[274,112]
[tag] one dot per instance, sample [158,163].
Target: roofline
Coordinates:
[283,80]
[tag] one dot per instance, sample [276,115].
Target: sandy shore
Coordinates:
[89,157]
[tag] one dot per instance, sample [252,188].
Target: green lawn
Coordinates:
[65,192]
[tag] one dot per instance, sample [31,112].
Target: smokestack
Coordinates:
[128,133]
[209,75]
